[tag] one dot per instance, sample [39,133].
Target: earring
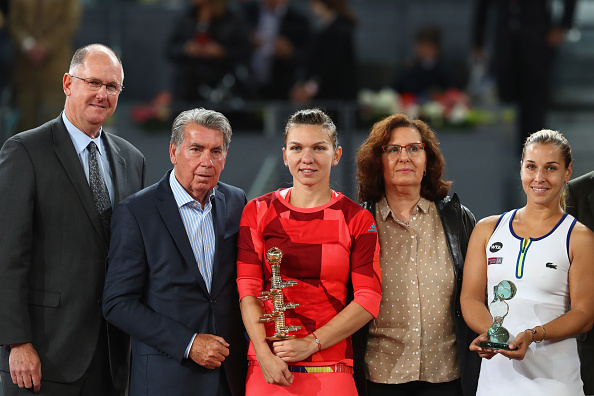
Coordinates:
[334,163]
[424,172]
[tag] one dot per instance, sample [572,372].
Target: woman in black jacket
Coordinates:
[419,342]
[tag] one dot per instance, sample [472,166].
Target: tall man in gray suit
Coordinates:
[580,204]
[171,281]
[57,185]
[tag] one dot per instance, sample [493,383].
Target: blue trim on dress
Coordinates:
[568,235]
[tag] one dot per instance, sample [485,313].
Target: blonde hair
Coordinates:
[547,136]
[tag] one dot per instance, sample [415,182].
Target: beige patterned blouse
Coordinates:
[413,337]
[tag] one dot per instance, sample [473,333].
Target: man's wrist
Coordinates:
[189,348]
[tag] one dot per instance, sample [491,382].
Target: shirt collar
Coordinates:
[181,195]
[80,139]
[385,210]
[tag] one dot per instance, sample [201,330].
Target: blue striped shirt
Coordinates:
[199,227]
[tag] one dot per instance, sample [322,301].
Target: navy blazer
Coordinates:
[155,292]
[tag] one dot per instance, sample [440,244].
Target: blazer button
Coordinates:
[213,302]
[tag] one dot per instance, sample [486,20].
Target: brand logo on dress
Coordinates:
[494,260]
[372,228]
[551,265]
[495,247]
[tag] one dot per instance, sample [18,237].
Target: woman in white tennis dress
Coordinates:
[548,256]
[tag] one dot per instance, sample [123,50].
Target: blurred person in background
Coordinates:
[526,39]
[5,56]
[42,32]
[329,70]
[279,34]
[418,344]
[426,73]
[208,42]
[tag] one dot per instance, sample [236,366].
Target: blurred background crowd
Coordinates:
[457,64]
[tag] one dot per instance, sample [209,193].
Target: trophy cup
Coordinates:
[498,335]
[274,257]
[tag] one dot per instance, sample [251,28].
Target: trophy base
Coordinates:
[496,345]
[281,337]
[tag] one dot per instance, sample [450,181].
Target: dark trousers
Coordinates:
[416,388]
[224,389]
[95,382]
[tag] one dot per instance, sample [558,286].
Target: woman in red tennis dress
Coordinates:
[328,242]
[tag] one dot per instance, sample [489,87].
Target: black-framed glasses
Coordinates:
[412,149]
[95,85]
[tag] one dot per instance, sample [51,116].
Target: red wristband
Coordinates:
[317,341]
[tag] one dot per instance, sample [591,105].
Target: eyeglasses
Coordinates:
[412,149]
[95,85]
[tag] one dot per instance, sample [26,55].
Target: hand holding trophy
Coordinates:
[499,335]
[281,330]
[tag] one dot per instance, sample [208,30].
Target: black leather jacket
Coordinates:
[458,223]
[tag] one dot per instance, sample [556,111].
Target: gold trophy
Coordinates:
[274,257]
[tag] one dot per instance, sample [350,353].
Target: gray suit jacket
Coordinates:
[53,250]
[580,204]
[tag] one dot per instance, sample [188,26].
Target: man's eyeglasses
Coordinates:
[412,149]
[95,85]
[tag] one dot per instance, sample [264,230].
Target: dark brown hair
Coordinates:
[313,117]
[369,160]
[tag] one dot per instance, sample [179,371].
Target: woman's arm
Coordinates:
[474,285]
[343,325]
[250,280]
[273,368]
[580,317]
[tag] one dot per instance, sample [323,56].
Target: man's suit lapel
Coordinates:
[118,169]
[66,153]
[169,212]
[219,216]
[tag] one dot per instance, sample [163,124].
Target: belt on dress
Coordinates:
[333,368]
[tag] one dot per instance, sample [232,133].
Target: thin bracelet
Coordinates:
[544,334]
[317,341]
[533,332]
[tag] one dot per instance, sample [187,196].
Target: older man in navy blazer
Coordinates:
[171,275]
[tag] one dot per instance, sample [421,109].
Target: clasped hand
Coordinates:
[274,366]
[209,350]
[522,341]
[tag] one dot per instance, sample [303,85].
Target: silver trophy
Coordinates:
[281,330]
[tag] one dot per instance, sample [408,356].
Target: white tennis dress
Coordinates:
[539,268]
